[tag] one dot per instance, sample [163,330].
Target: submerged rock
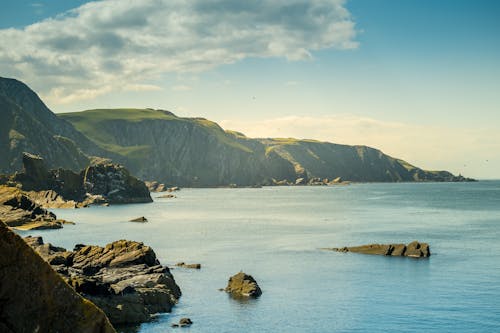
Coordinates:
[123,278]
[243,285]
[34,298]
[414,249]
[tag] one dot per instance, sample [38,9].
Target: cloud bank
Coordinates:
[107,45]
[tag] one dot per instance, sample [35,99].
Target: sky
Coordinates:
[418,79]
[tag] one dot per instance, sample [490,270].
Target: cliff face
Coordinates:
[156,144]
[34,298]
[26,124]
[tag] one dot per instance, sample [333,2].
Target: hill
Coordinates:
[156,144]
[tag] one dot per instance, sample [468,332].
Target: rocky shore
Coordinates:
[124,278]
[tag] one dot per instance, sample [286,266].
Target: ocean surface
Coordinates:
[275,234]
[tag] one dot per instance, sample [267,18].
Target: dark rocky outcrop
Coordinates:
[414,249]
[19,211]
[34,298]
[98,183]
[243,285]
[123,278]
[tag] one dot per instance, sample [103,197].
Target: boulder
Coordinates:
[414,249]
[243,285]
[154,186]
[173,189]
[124,278]
[34,298]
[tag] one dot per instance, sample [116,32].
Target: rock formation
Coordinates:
[154,186]
[99,183]
[18,210]
[413,249]
[243,285]
[34,298]
[123,278]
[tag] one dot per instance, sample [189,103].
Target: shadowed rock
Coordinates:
[34,298]
[414,249]
[243,285]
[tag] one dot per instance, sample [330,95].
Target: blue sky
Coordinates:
[418,79]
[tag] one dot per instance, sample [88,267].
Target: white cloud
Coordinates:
[105,45]
[470,151]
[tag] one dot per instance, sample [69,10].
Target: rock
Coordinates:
[17,210]
[173,189]
[139,219]
[154,186]
[36,299]
[184,265]
[96,184]
[167,196]
[243,285]
[124,278]
[300,181]
[413,249]
[184,322]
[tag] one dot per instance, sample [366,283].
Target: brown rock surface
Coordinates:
[123,278]
[243,285]
[414,249]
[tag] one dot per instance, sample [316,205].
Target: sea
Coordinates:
[277,235]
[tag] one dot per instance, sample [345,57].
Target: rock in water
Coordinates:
[414,249]
[34,298]
[123,278]
[184,322]
[139,219]
[184,265]
[243,285]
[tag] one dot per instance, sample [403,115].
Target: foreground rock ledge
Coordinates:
[123,278]
[414,249]
[34,298]
[243,285]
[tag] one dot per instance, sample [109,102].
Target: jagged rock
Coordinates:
[243,285]
[34,298]
[96,184]
[413,249]
[139,219]
[184,265]
[17,210]
[124,278]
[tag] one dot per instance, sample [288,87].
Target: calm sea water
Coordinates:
[275,234]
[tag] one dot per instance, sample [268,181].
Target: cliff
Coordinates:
[156,144]
[34,298]
[28,125]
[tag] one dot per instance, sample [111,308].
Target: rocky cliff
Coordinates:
[34,298]
[104,182]
[158,145]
